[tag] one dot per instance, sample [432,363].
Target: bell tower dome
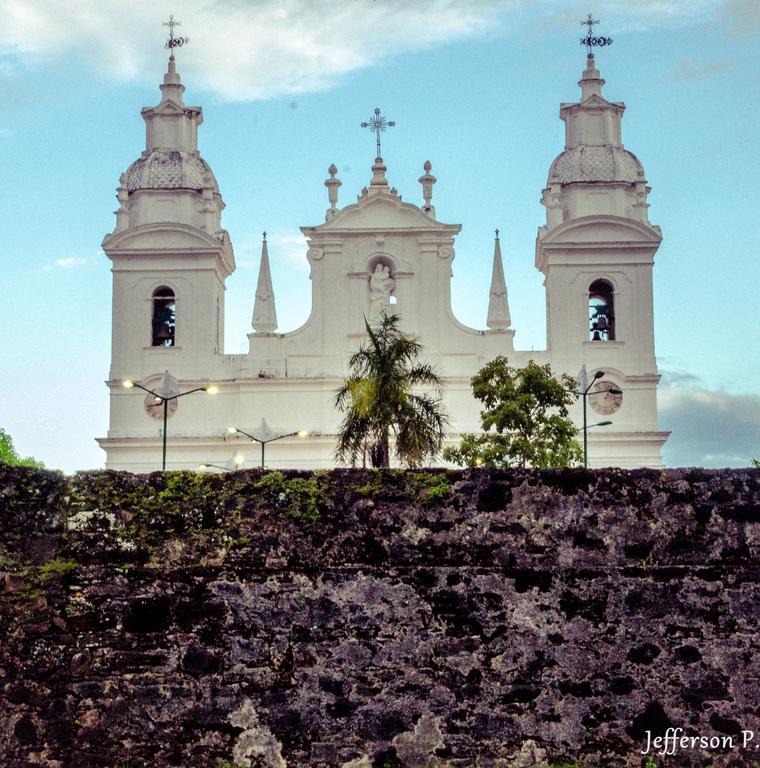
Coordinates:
[170,181]
[595,173]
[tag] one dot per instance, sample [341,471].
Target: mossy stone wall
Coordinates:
[359,619]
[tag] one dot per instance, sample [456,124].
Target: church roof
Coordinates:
[169,169]
[596,163]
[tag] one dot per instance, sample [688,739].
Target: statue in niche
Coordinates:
[381,286]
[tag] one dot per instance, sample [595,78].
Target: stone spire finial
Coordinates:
[591,81]
[172,88]
[264,311]
[332,185]
[498,303]
[171,125]
[427,181]
[378,174]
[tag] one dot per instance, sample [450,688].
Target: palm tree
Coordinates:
[378,400]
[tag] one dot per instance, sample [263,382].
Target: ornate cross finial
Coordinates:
[589,22]
[590,41]
[264,235]
[497,234]
[378,124]
[174,42]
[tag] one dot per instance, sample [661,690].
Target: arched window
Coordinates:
[164,314]
[601,311]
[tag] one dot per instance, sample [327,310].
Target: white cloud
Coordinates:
[69,262]
[287,246]
[247,252]
[692,70]
[254,49]
[741,16]
[710,428]
[622,16]
[241,49]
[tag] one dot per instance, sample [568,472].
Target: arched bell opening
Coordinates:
[601,311]
[164,317]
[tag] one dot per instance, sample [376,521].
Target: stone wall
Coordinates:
[365,619]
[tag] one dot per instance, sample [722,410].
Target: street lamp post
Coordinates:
[584,394]
[262,441]
[236,462]
[164,400]
[598,424]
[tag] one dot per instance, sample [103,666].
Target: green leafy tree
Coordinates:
[755,463]
[524,419]
[9,455]
[379,401]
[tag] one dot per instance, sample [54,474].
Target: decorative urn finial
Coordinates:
[332,185]
[427,180]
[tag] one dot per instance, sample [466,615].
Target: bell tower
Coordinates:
[170,260]
[596,252]
[170,255]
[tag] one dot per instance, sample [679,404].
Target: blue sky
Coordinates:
[474,87]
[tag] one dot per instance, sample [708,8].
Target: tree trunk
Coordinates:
[380,453]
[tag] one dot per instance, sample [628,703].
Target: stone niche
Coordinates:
[368,619]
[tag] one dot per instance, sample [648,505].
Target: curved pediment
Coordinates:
[162,236]
[381,211]
[601,229]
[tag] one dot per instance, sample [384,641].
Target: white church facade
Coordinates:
[171,259]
